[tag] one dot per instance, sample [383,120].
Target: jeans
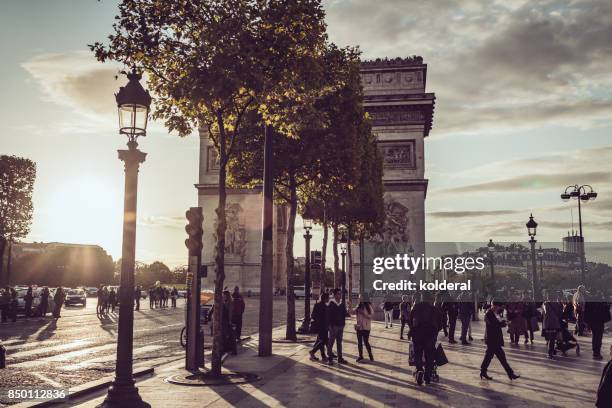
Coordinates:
[388,317]
[404,323]
[452,323]
[501,356]
[236,321]
[465,323]
[335,335]
[321,343]
[363,337]
[424,346]
[597,330]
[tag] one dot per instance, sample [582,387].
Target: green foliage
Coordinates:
[148,275]
[64,266]
[17,177]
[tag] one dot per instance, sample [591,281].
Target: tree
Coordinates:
[17,177]
[209,62]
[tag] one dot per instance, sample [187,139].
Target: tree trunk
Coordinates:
[349,269]
[3,280]
[337,271]
[323,285]
[290,331]
[9,262]
[219,258]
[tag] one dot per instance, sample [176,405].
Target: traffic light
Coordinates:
[315,257]
[194,230]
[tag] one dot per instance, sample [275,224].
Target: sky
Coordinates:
[523,109]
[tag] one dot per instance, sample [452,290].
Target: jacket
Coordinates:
[364,317]
[552,316]
[336,313]
[319,318]
[494,337]
[425,319]
[596,312]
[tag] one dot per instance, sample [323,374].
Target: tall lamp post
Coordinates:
[133,104]
[305,328]
[343,245]
[491,248]
[531,231]
[541,258]
[580,193]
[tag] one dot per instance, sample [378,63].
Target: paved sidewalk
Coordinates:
[290,379]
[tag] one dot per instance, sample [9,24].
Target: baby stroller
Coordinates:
[566,340]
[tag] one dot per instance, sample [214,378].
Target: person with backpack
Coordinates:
[238,307]
[425,323]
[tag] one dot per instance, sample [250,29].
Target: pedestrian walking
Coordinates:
[229,340]
[517,325]
[5,301]
[238,307]
[439,304]
[13,305]
[336,315]
[58,299]
[466,309]
[404,315]
[579,303]
[112,300]
[494,340]
[450,309]
[387,308]
[174,296]
[320,326]
[604,392]
[426,322]
[44,302]
[28,299]
[100,304]
[596,315]
[363,313]
[137,294]
[551,323]
[530,314]
[151,298]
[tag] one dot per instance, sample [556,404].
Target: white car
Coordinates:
[36,292]
[299,291]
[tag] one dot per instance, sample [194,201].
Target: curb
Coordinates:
[82,390]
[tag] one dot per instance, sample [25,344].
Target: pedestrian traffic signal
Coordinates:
[194,230]
[315,257]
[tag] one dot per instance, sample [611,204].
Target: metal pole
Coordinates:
[492,262]
[265,286]
[122,392]
[305,328]
[343,278]
[534,271]
[361,267]
[582,267]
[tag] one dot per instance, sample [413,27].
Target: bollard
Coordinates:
[2,356]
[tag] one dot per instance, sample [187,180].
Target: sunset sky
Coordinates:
[524,108]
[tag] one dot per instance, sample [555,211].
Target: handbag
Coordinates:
[440,356]
[411,359]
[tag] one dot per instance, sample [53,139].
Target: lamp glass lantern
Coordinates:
[133,105]
[343,243]
[307,223]
[532,226]
[491,246]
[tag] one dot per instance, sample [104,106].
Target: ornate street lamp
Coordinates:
[491,249]
[343,247]
[532,227]
[305,328]
[133,103]
[580,193]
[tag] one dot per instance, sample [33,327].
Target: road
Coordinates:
[81,347]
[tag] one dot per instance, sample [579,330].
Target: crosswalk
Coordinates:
[74,355]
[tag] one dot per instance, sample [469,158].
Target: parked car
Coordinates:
[91,291]
[299,291]
[35,301]
[182,293]
[76,297]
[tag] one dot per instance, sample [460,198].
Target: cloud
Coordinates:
[76,80]
[494,66]
[470,214]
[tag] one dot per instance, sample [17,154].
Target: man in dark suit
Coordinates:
[596,315]
[494,339]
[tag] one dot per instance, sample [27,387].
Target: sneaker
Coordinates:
[313,357]
[451,341]
[330,361]
[342,361]
[419,377]
[470,338]
[359,359]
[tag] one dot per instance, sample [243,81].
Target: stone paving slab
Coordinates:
[290,379]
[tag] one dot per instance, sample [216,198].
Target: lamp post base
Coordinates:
[305,327]
[121,396]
